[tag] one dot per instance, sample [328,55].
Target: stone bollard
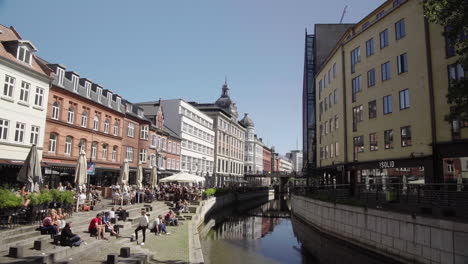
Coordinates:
[125,252]
[38,245]
[112,259]
[16,251]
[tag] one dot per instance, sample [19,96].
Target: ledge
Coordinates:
[8,99]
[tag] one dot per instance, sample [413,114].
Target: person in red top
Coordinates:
[97,228]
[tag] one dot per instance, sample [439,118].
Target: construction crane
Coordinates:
[344,12]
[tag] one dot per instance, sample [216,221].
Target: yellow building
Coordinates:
[386,80]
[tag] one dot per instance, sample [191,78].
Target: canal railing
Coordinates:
[436,200]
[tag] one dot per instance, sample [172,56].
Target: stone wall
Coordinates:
[400,236]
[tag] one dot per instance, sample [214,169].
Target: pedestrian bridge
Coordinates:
[277,174]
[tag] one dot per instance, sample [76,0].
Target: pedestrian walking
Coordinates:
[143,223]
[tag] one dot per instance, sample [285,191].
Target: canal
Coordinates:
[264,232]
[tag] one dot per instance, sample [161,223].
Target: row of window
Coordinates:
[196,165]
[229,146]
[197,147]
[20,132]
[184,111]
[330,151]
[225,166]
[194,131]
[323,83]
[402,67]
[329,126]
[24,92]
[406,140]
[400,32]
[68,147]
[161,143]
[225,126]
[329,100]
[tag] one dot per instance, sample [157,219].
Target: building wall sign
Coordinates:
[387,164]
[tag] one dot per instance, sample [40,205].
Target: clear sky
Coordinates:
[144,50]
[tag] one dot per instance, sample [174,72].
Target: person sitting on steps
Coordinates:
[97,228]
[67,238]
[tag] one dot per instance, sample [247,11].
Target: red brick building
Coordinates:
[267,168]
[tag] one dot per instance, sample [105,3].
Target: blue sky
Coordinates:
[144,50]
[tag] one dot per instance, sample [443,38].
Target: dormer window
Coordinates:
[109,99]
[24,54]
[60,75]
[88,89]
[99,94]
[140,113]
[128,108]
[75,80]
[118,103]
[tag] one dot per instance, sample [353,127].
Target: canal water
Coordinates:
[264,232]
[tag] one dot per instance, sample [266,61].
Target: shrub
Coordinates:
[9,199]
[67,197]
[209,192]
[44,197]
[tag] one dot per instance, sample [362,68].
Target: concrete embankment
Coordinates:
[405,238]
[210,206]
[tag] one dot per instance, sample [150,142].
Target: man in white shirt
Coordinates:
[143,223]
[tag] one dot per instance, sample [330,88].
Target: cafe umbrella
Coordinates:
[30,173]
[154,177]
[81,173]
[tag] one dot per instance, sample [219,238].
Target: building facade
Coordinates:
[267,165]
[296,158]
[23,101]
[381,95]
[253,161]
[229,139]
[195,130]
[284,164]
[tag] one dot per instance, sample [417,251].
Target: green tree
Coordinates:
[453,14]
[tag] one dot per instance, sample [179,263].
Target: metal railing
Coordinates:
[437,200]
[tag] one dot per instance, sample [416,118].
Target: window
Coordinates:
[116,128]
[337,149]
[384,39]
[404,99]
[373,144]
[19,132]
[332,150]
[153,141]
[355,58]
[388,139]
[449,166]
[358,144]
[385,71]
[372,109]
[68,145]
[114,153]
[39,96]
[449,43]
[34,135]
[24,54]
[334,70]
[84,119]
[71,115]
[370,47]
[60,75]
[131,130]
[52,142]
[75,82]
[356,86]
[144,132]
[329,76]
[365,25]
[380,14]
[106,126]
[336,121]
[104,152]
[96,123]
[400,30]
[320,87]
[406,136]
[94,150]
[396,3]
[99,94]
[82,145]
[330,100]
[325,103]
[371,78]
[163,144]
[357,116]
[55,110]
[335,96]
[402,63]
[4,125]
[9,85]
[387,104]
[325,81]
[24,92]
[88,89]
[456,72]
[169,146]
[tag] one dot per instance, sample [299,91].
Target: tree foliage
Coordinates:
[452,14]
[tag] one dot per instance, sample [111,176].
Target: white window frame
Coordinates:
[24,91]
[144,132]
[114,153]
[68,146]
[9,86]
[34,137]
[24,54]
[60,74]
[55,110]
[104,151]
[84,119]
[116,128]
[131,129]
[53,143]
[129,154]
[94,147]
[96,123]
[106,126]
[39,96]
[71,115]
[75,81]
[82,145]
[4,127]
[19,132]
[88,89]
[99,94]
[142,155]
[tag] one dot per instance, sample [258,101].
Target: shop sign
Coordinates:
[91,168]
[387,164]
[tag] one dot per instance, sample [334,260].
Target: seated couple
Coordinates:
[99,225]
[158,226]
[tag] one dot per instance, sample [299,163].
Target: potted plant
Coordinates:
[9,200]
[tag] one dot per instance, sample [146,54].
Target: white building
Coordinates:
[23,98]
[229,138]
[253,162]
[196,131]
[296,158]
[285,164]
